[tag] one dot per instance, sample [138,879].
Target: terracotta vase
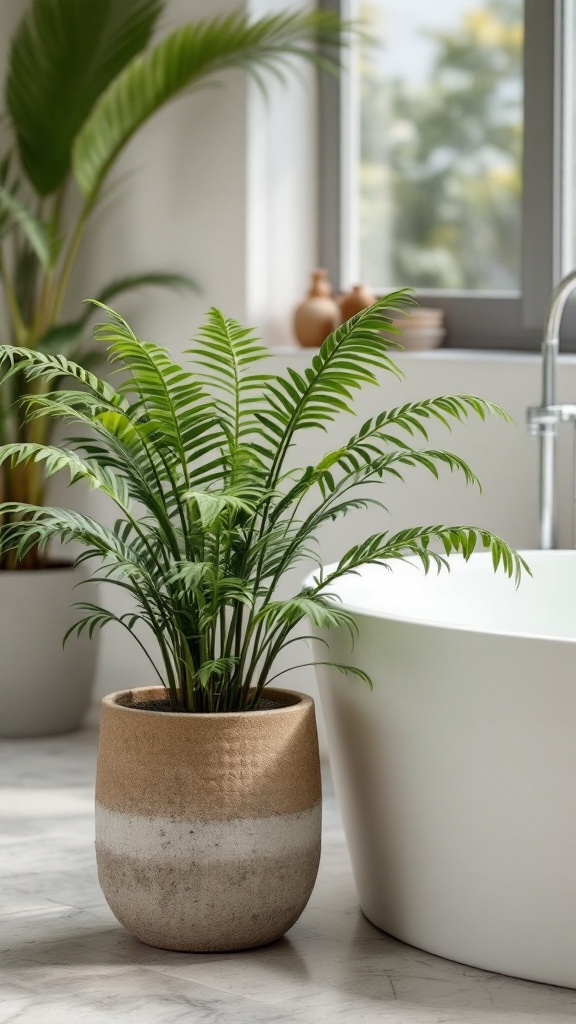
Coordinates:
[207,825]
[318,315]
[359,297]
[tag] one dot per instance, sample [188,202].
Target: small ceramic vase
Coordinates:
[318,315]
[359,297]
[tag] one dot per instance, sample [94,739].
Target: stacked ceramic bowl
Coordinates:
[421,328]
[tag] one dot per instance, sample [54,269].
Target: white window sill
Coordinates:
[436,355]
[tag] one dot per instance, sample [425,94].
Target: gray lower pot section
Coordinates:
[44,689]
[206,886]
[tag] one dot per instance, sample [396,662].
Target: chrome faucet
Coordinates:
[543,419]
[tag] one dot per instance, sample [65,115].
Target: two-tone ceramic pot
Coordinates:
[207,825]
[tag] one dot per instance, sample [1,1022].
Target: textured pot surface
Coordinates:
[45,689]
[207,826]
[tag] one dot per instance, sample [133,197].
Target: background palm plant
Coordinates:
[210,519]
[82,80]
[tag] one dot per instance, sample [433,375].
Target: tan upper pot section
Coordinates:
[207,826]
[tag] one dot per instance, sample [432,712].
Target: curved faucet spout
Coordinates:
[551,339]
[543,420]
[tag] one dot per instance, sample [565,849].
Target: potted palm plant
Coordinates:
[82,80]
[208,784]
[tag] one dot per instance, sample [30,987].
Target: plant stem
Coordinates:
[20,329]
[70,259]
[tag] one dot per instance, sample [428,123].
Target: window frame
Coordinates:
[485,320]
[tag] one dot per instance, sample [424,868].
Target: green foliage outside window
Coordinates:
[440,173]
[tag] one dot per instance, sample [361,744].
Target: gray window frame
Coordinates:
[488,320]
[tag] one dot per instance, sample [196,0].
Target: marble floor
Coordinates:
[65,959]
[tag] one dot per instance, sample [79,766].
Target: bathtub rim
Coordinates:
[365,613]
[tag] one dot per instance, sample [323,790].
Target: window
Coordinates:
[447,160]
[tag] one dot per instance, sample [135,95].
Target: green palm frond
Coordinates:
[183,61]
[365,465]
[381,548]
[63,56]
[65,338]
[375,434]
[345,670]
[62,339]
[113,444]
[39,236]
[346,362]
[226,351]
[166,395]
[55,460]
[51,367]
[210,508]
[209,518]
[99,617]
[320,611]
[10,185]
[151,279]
[40,525]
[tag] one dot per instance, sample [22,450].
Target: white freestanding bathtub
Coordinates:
[456,775]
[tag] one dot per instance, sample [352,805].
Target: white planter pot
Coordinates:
[44,689]
[456,774]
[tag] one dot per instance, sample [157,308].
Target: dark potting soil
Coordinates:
[164,706]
